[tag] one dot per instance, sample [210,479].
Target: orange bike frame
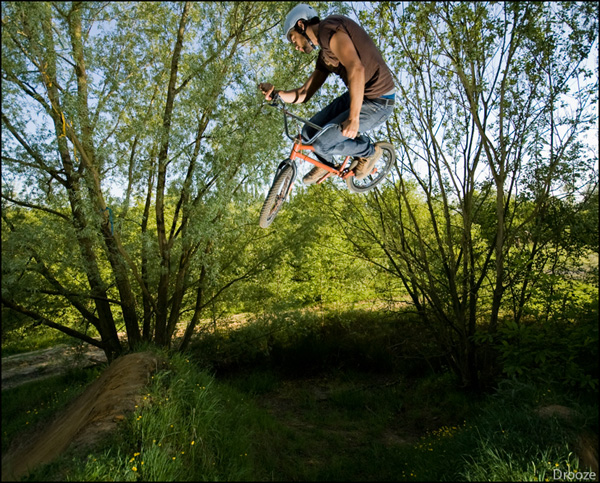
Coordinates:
[299,146]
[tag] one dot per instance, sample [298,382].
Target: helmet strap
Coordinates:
[308,38]
[303,32]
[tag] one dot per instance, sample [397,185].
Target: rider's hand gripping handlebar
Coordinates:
[275,97]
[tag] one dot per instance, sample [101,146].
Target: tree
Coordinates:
[486,140]
[122,100]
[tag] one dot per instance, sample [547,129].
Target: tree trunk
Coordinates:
[161,331]
[88,158]
[106,325]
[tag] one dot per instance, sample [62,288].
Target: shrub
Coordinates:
[562,351]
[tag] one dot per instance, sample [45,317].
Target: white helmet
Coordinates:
[299,12]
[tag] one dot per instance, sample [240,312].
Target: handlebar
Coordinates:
[278,103]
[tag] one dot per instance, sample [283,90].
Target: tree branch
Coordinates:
[40,319]
[36,207]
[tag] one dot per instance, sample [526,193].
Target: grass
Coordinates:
[391,432]
[313,398]
[188,428]
[27,406]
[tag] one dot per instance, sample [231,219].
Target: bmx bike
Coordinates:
[287,169]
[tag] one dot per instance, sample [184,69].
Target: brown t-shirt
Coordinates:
[378,77]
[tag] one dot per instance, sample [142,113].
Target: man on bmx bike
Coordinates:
[348,51]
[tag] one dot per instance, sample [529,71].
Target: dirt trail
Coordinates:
[93,414]
[41,364]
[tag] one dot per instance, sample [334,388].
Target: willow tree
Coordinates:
[495,98]
[128,132]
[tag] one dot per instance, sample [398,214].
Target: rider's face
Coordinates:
[300,42]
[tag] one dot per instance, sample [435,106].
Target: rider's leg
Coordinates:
[332,142]
[322,118]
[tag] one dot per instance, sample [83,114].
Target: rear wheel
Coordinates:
[276,196]
[380,171]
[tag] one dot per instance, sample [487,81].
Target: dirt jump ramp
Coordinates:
[88,418]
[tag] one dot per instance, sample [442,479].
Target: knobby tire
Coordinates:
[382,167]
[276,196]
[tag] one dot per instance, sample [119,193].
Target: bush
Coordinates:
[562,351]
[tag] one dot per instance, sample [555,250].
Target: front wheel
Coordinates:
[276,196]
[380,171]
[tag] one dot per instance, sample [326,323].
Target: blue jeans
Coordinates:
[332,142]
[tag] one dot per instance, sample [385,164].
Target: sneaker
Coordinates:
[314,175]
[365,165]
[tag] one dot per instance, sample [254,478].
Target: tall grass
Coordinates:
[187,427]
[328,397]
[506,439]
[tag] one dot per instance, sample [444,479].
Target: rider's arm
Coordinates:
[342,47]
[302,94]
